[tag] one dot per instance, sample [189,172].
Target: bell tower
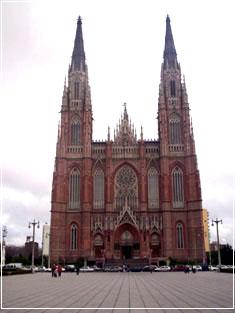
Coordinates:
[71,189]
[180,185]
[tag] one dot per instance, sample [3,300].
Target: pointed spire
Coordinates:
[125,115]
[78,57]
[170,55]
[141,133]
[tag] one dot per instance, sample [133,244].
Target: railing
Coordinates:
[176,148]
[128,152]
[75,149]
[152,150]
[99,150]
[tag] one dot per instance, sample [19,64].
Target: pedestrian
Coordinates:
[53,270]
[194,269]
[77,270]
[59,270]
[151,269]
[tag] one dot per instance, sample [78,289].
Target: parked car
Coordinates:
[212,268]
[157,269]
[116,269]
[70,268]
[86,269]
[198,268]
[179,268]
[136,268]
[96,268]
[165,268]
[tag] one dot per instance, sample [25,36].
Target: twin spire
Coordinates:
[78,57]
[169,55]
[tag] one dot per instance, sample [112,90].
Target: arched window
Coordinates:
[126,188]
[172,88]
[74,189]
[153,188]
[177,187]
[98,189]
[76,90]
[75,133]
[175,129]
[179,236]
[73,237]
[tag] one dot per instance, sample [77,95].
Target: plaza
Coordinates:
[136,292]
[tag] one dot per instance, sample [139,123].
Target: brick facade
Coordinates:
[130,229]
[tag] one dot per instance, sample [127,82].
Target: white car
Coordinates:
[86,269]
[165,268]
[198,268]
[212,268]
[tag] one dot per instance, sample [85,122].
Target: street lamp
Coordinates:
[4,235]
[218,244]
[34,223]
[49,255]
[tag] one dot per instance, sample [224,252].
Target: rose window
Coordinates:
[126,188]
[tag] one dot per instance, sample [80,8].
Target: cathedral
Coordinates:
[126,199]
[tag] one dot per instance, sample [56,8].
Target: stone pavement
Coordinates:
[134,292]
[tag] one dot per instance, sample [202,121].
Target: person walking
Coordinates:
[53,268]
[59,270]
[77,269]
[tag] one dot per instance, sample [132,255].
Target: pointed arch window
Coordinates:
[75,133]
[98,189]
[73,237]
[172,88]
[74,189]
[76,90]
[153,188]
[179,236]
[175,129]
[177,187]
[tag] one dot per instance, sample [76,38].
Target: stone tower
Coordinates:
[126,199]
[182,202]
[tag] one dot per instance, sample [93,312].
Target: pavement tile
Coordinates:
[105,292]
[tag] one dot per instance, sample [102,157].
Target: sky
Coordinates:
[124,42]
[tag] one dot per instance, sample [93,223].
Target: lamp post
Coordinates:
[218,244]
[197,235]
[49,255]
[34,223]
[4,235]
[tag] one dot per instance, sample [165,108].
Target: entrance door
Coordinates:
[126,252]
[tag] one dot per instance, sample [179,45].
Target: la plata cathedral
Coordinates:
[126,199]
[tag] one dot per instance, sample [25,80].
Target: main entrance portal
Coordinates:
[126,252]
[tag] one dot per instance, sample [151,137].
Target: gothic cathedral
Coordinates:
[126,199]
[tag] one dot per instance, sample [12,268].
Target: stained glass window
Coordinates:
[153,189]
[74,189]
[98,189]
[177,187]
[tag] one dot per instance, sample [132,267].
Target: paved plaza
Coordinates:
[135,292]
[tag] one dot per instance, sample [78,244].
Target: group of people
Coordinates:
[56,270]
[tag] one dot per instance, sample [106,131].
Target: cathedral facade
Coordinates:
[126,198]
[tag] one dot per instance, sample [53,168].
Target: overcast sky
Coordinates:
[124,42]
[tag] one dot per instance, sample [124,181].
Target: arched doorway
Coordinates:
[127,242]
